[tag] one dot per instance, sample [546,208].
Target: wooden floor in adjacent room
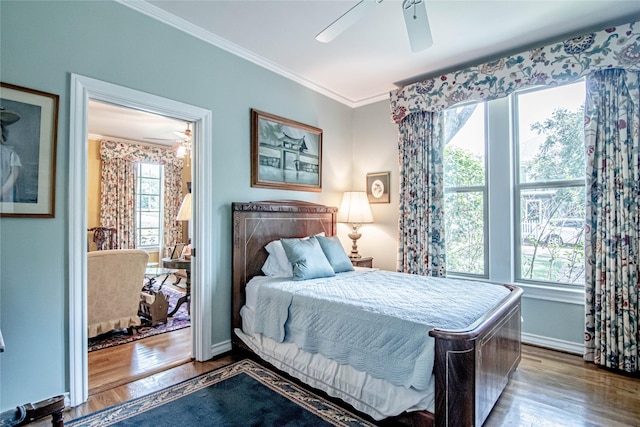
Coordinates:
[549,388]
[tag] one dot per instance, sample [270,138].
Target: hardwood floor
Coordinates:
[111,367]
[549,389]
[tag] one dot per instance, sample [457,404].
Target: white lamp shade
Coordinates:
[355,208]
[184,213]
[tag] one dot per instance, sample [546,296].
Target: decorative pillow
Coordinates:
[307,258]
[335,254]
[280,265]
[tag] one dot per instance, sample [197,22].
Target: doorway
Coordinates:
[84,89]
[162,178]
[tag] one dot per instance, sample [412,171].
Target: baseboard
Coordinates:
[221,347]
[553,343]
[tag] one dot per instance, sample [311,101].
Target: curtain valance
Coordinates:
[554,64]
[138,153]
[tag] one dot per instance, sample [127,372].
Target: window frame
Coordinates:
[519,187]
[503,211]
[138,212]
[484,189]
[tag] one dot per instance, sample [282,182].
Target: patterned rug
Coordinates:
[180,320]
[242,394]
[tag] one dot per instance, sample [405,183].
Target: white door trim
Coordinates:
[82,90]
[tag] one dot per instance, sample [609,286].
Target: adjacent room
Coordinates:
[363,213]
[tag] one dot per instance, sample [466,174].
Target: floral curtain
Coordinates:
[118,200]
[118,188]
[172,201]
[612,241]
[554,64]
[421,224]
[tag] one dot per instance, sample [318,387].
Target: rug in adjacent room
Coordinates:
[179,320]
[242,394]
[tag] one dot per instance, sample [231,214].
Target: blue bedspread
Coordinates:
[376,321]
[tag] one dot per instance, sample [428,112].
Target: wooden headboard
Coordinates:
[257,223]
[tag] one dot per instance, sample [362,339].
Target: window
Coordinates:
[514,181]
[465,189]
[551,163]
[149,204]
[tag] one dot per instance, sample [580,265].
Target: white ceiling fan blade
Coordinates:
[349,18]
[415,18]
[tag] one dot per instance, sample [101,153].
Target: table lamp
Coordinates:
[184,214]
[356,211]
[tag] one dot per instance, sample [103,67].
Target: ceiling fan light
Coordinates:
[181,151]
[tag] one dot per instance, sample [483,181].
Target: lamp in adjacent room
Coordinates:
[184,214]
[355,210]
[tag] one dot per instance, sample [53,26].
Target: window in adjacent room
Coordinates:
[465,189]
[148,205]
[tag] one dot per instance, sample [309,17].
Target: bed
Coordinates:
[471,366]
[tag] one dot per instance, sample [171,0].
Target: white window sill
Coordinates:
[552,293]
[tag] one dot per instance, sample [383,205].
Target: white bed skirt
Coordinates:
[373,396]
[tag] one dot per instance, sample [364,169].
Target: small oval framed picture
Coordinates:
[378,187]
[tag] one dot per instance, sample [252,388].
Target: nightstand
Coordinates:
[362,262]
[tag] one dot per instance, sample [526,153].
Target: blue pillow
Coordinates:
[335,254]
[307,258]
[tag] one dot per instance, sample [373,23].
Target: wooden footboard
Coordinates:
[472,367]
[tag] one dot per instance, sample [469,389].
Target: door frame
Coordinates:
[84,89]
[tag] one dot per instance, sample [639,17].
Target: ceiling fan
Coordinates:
[183,148]
[415,18]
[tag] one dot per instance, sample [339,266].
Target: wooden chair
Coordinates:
[104,238]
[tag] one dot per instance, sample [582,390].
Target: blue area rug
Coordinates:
[179,320]
[241,394]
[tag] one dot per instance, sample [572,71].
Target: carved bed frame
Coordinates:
[472,366]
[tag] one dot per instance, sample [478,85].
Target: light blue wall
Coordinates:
[42,43]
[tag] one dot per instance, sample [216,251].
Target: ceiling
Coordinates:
[373,56]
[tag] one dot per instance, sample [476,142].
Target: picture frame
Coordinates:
[378,187]
[285,154]
[29,120]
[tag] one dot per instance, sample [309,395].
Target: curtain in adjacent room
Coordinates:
[118,189]
[118,200]
[172,201]
[421,226]
[612,241]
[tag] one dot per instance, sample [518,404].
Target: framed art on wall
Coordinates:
[29,120]
[285,154]
[378,187]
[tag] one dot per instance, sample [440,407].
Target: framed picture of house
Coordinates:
[285,154]
[29,121]
[378,187]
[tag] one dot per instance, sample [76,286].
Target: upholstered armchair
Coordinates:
[114,281]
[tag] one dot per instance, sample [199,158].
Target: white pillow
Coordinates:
[281,267]
[271,267]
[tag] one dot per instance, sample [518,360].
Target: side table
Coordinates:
[362,262]
[180,264]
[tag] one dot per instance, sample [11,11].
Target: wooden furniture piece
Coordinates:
[26,414]
[181,264]
[114,281]
[103,237]
[362,262]
[154,306]
[472,366]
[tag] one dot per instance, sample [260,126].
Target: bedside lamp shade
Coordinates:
[356,211]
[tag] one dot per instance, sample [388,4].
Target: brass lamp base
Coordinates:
[354,236]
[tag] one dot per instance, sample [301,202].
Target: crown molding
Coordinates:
[224,44]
